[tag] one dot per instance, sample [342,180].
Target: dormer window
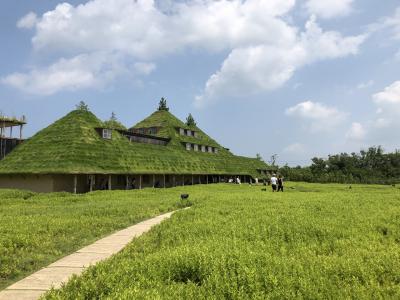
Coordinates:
[181,131]
[107,134]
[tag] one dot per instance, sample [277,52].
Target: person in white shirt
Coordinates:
[274,180]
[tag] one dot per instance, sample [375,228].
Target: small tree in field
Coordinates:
[190,120]
[162,105]
[259,157]
[82,106]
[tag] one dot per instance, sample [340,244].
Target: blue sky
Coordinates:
[294,78]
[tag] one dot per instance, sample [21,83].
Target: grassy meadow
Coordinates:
[37,229]
[238,242]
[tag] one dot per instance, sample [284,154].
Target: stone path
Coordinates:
[33,286]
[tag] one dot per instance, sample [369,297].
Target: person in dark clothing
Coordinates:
[280,183]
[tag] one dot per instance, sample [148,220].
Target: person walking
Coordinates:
[280,183]
[274,181]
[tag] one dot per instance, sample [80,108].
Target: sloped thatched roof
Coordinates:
[72,145]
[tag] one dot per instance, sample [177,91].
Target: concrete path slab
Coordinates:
[57,273]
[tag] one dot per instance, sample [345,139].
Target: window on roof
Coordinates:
[181,131]
[107,134]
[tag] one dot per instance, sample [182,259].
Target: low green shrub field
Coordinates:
[238,242]
[37,229]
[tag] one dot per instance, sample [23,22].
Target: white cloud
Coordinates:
[265,67]
[356,132]
[144,67]
[390,95]
[384,127]
[329,8]
[82,71]
[318,117]
[265,49]
[28,21]
[391,23]
[296,148]
[364,85]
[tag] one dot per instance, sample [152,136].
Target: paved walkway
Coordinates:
[33,286]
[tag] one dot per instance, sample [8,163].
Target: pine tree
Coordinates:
[113,123]
[82,106]
[162,105]
[190,120]
[113,117]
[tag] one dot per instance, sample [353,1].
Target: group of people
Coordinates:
[277,183]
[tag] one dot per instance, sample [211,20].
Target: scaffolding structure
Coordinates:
[7,141]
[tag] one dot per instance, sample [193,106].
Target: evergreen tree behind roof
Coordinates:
[190,120]
[162,105]
[82,106]
[113,123]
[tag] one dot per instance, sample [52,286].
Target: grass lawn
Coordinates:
[238,242]
[37,229]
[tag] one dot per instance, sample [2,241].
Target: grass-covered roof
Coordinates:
[72,145]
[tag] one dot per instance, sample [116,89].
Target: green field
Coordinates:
[238,242]
[37,229]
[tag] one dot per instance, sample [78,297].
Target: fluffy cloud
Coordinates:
[82,71]
[28,21]
[265,67]
[384,127]
[265,49]
[356,132]
[329,8]
[317,117]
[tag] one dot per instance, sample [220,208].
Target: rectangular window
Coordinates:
[188,146]
[203,148]
[189,132]
[210,149]
[107,134]
[215,150]
[181,131]
[196,147]
[195,134]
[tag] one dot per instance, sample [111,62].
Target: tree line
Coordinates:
[367,166]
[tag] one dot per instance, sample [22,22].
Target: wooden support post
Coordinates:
[173,181]
[109,182]
[183,180]
[164,181]
[154,181]
[207,178]
[219,178]
[90,183]
[140,182]
[127,183]
[75,183]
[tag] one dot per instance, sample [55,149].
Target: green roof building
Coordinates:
[80,153]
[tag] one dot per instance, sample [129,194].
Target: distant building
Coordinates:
[7,140]
[80,153]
